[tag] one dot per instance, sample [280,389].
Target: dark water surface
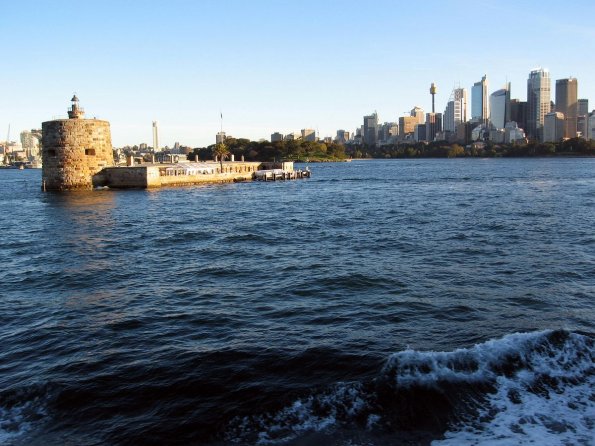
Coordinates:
[377,303]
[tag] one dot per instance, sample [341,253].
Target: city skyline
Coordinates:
[270,67]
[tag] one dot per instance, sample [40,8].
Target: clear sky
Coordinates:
[274,65]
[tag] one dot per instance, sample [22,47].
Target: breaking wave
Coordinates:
[524,388]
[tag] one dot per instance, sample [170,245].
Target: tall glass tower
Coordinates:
[479,101]
[538,102]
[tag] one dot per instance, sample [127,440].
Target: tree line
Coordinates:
[274,151]
[318,151]
[442,149]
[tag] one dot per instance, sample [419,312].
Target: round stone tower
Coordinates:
[75,150]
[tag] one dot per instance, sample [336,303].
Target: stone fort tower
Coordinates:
[75,150]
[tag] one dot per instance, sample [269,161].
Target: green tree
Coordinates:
[455,150]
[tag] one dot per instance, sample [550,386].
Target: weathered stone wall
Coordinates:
[127,177]
[74,150]
[182,180]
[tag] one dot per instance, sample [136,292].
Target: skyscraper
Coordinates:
[479,101]
[456,110]
[371,129]
[567,103]
[433,125]
[582,124]
[500,107]
[583,107]
[518,113]
[538,101]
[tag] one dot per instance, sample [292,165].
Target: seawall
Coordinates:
[181,174]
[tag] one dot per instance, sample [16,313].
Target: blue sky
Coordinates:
[274,65]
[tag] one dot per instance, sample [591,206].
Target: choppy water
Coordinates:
[377,303]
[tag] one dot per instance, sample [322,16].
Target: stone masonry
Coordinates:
[74,151]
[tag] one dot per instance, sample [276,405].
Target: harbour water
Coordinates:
[439,302]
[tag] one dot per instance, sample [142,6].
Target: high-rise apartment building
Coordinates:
[370,133]
[538,102]
[479,101]
[500,107]
[456,110]
[567,103]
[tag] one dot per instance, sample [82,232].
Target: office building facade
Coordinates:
[567,103]
[538,102]
[370,130]
[433,125]
[479,101]
[276,137]
[500,107]
[553,127]
[456,110]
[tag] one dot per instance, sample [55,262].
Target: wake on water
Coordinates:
[533,388]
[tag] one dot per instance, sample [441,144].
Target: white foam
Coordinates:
[483,362]
[317,413]
[559,411]
[543,393]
